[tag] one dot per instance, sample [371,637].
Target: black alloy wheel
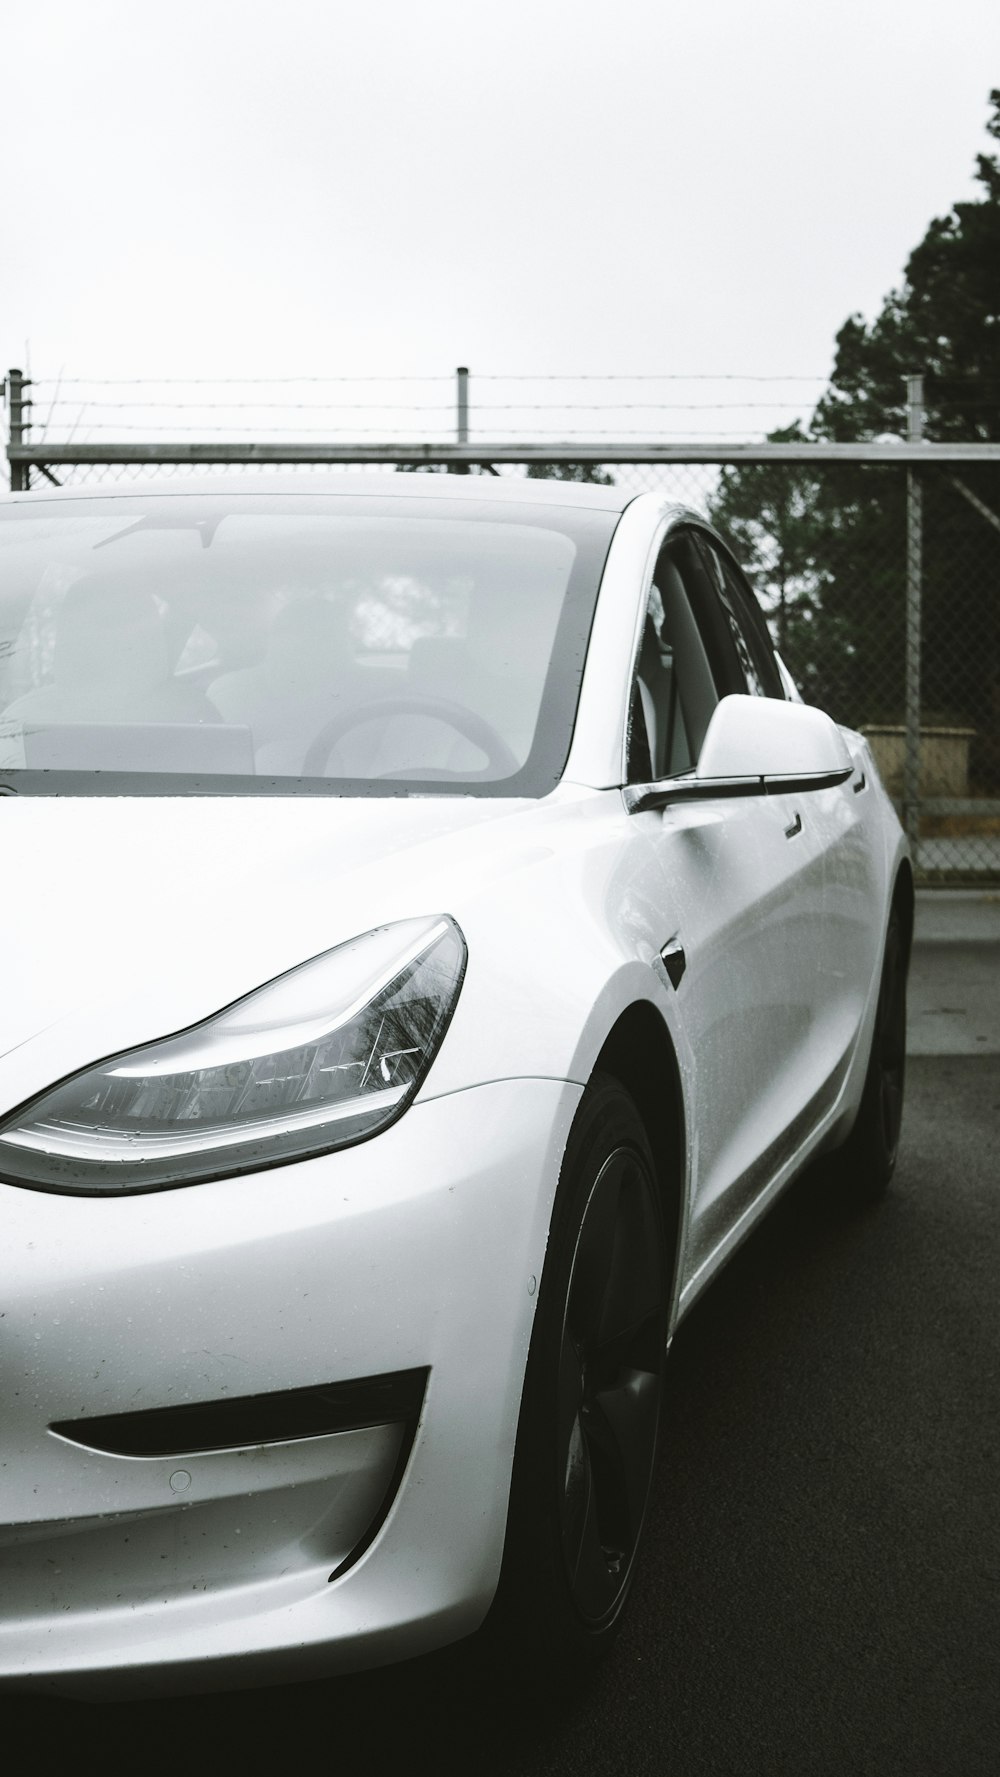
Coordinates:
[590,1415]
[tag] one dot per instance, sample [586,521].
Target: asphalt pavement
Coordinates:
[821,1590]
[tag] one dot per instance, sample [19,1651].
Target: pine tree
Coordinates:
[827,543]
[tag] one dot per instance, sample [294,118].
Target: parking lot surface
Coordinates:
[822,1586]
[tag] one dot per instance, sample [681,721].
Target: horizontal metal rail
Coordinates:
[39,454]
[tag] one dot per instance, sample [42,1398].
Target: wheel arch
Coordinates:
[639,1053]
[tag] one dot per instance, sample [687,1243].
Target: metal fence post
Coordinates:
[914,590]
[17,382]
[462,399]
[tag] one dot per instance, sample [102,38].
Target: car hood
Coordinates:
[126,919]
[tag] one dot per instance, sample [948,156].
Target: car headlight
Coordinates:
[321,1057]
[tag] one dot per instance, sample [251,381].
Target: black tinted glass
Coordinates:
[747,629]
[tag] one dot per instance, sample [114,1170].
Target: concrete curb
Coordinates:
[958,916]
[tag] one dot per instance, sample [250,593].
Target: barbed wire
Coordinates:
[135,382]
[435,407]
[87,411]
[604,377]
[401,433]
[666,376]
[478,376]
[267,406]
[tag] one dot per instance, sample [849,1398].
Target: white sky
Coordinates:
[278,188]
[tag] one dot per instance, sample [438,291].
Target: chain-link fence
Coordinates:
[878,567]
[883,590]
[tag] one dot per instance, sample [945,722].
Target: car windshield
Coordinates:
[293,643]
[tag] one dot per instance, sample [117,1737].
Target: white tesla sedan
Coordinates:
[435,931]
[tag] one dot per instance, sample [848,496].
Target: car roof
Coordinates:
[501,490]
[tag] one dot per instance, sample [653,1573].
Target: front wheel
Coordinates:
[591,1407]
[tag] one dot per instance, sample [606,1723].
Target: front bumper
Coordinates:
[417,1251]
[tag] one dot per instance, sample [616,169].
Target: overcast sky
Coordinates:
[279,188]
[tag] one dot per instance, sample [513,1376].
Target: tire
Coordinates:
[589,1423]
[868,1157]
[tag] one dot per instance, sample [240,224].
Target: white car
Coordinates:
[435,932]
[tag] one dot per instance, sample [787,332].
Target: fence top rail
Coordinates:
[923,452]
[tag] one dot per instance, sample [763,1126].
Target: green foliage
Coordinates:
[827,544]
[944,321]
[770,515]
[592,472]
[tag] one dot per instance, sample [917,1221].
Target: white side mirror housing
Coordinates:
[763,737]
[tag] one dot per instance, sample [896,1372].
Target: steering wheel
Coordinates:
[501,761]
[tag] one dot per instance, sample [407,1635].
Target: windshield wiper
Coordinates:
[206,528]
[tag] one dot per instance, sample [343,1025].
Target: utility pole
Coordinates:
[914,596]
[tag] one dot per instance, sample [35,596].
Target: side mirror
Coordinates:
[763,737]
[756,746]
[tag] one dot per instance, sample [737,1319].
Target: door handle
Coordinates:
[796,827]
